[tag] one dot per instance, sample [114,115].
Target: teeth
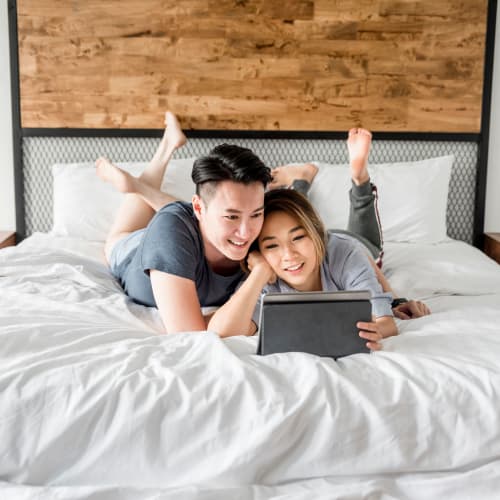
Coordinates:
[294,268]
[237,244]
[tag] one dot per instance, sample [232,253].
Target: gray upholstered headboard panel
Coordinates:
[40,153]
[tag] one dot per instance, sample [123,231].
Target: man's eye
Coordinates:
[231,217]
[257,215]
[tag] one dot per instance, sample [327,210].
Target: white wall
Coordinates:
[492,216]
[7,200]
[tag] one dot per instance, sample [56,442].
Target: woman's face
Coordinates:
[285,244]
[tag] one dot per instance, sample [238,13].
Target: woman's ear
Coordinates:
[197,203]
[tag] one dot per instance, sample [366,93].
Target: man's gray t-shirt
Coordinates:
[345,267]
[171,243]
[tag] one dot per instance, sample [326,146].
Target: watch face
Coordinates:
[397,302]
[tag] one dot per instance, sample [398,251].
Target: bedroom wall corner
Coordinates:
[7,191]
[492,212]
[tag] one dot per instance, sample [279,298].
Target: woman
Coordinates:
[295,253]
[364,219]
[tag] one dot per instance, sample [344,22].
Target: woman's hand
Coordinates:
[377,330]
[411,310]
[257,264]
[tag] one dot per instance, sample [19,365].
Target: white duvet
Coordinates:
[96,404]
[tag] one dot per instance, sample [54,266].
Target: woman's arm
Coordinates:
[408,309]
[376,330]
[235,316]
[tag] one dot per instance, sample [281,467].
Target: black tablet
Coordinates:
[321,323]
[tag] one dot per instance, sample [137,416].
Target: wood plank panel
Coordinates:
[311,65]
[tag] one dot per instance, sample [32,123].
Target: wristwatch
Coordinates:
[301,185]
[398,302]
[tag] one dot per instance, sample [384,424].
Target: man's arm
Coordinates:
[177,302]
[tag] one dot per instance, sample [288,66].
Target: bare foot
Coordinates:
[358,144]
[173,134]
[121,180]
[284,176]
[172,139]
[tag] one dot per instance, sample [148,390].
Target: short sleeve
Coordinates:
[171,243]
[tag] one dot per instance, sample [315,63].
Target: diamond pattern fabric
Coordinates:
[40,153]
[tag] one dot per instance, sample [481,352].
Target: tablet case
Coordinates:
[321,323]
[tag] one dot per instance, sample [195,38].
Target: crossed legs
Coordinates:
[143,197]
[358,144]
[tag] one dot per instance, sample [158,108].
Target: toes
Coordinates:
[101,161]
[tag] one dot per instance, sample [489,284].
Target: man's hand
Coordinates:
[411,310]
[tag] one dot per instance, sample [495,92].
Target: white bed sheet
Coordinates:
[95,401]
[482,483]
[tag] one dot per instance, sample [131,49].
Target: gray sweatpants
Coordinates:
[364,220]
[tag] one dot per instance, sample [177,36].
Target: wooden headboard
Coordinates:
[297,65]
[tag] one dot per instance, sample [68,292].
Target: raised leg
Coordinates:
[143,196]
[359,141]
[128,184]
[364,220]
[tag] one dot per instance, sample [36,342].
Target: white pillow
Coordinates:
[329,194]
[412,197]
[84,206]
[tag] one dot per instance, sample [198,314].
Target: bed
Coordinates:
[96,403]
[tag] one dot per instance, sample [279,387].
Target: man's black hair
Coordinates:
[228,162]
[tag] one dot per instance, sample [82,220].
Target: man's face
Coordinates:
[231,220]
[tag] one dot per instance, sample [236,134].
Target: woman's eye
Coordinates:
[270,247]
[299,237]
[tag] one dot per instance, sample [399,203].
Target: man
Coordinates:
[178,256]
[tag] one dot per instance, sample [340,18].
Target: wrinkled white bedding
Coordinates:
[94,402]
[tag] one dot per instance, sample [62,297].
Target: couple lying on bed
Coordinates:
[179,256]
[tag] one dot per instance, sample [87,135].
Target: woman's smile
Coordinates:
[290,251]
[295,268]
